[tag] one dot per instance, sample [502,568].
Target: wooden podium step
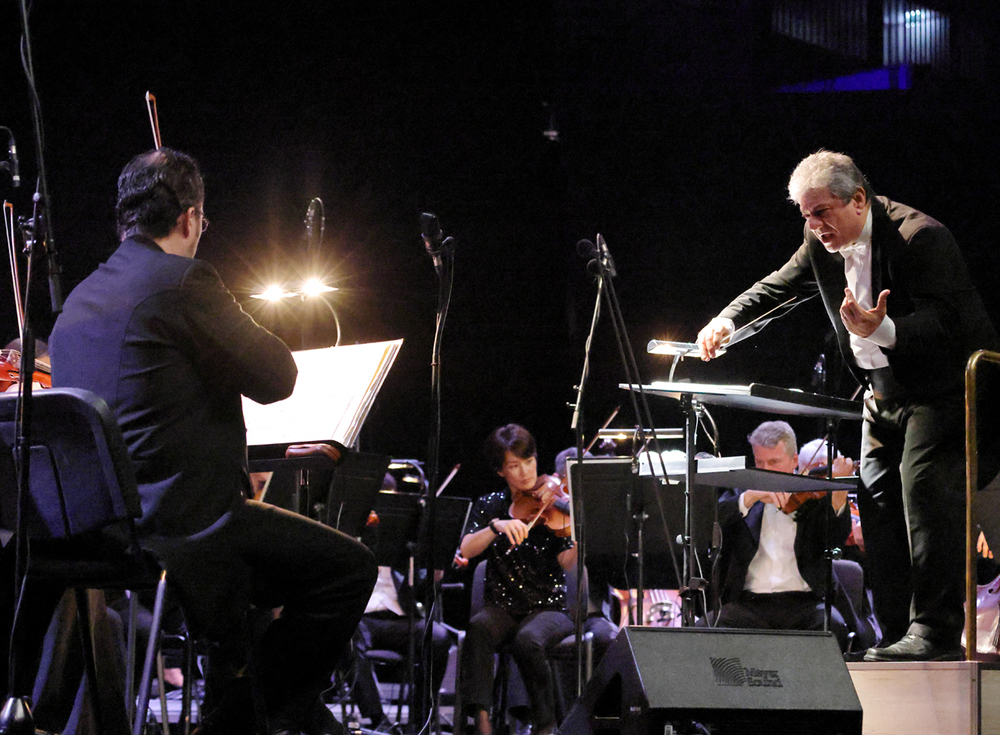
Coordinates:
[939,698]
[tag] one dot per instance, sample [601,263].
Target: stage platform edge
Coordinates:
[932,698]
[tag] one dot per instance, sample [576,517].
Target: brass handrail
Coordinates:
[971,487]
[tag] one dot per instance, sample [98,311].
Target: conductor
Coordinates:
[907,316]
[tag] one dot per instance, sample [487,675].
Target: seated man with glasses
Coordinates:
[157,335]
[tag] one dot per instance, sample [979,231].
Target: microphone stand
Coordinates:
[443,255]
[15,717]
[577,499]
[643,417]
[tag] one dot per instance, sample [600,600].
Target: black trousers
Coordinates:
[912,504]
[781,611]
[529,638]
[266,557]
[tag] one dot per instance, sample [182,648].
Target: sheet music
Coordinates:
[333,395]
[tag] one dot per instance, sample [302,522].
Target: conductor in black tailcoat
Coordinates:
[907,316]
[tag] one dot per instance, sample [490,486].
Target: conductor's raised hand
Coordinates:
[713,337]
[859,320]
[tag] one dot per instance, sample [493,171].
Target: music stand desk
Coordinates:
[399,521]
[758,397]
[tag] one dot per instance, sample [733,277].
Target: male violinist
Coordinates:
[772,570]
[156,334]
[525,583]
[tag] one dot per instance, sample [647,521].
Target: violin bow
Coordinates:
[598,434]
[8,226]
[451,475]
[154,119]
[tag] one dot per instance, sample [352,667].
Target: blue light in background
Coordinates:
[874,80]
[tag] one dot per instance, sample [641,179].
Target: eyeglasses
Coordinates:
[204,220]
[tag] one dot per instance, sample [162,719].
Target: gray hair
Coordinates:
[825,169]
[770,433]
[814,450]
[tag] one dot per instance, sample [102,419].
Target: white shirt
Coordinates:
[858,271]
[773,568]
[384,595]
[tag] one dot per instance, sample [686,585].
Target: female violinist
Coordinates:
[525,584]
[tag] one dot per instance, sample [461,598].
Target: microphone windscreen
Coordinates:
[586,249]
[430,229]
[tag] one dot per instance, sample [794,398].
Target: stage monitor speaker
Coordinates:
[697,680]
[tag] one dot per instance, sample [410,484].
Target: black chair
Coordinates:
[79,518]
[563,655]
[562,659]
[851,600]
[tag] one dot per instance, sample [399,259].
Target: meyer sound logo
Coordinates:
[730,672]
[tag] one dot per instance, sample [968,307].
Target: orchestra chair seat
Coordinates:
[563,655]
[79,516]
[390,668]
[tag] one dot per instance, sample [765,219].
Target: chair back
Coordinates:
[478,588]
[81,478]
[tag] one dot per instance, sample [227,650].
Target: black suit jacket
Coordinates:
[165,344]
[940,319]
[741,538]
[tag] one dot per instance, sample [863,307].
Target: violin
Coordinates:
[797,500]
[10,370]
[527,508]
[842,467]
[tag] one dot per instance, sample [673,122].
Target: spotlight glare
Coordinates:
[315,287]
[272,293]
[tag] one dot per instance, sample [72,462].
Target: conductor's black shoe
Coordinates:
[912,647]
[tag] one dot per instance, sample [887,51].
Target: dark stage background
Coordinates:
[525,127]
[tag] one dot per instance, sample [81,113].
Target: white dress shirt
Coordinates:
[858,271]
[774,568]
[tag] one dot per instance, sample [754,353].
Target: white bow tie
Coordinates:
[854,250]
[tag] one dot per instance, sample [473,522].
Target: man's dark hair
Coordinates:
[154,189]
[510,438]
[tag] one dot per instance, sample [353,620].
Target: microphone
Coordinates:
[606,256]
[587,249]
[819,374]
[315,217]
[15,175]
[12,166]
[430,231]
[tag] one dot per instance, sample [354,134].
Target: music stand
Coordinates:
[353,489]
[399,516]
[631,521]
